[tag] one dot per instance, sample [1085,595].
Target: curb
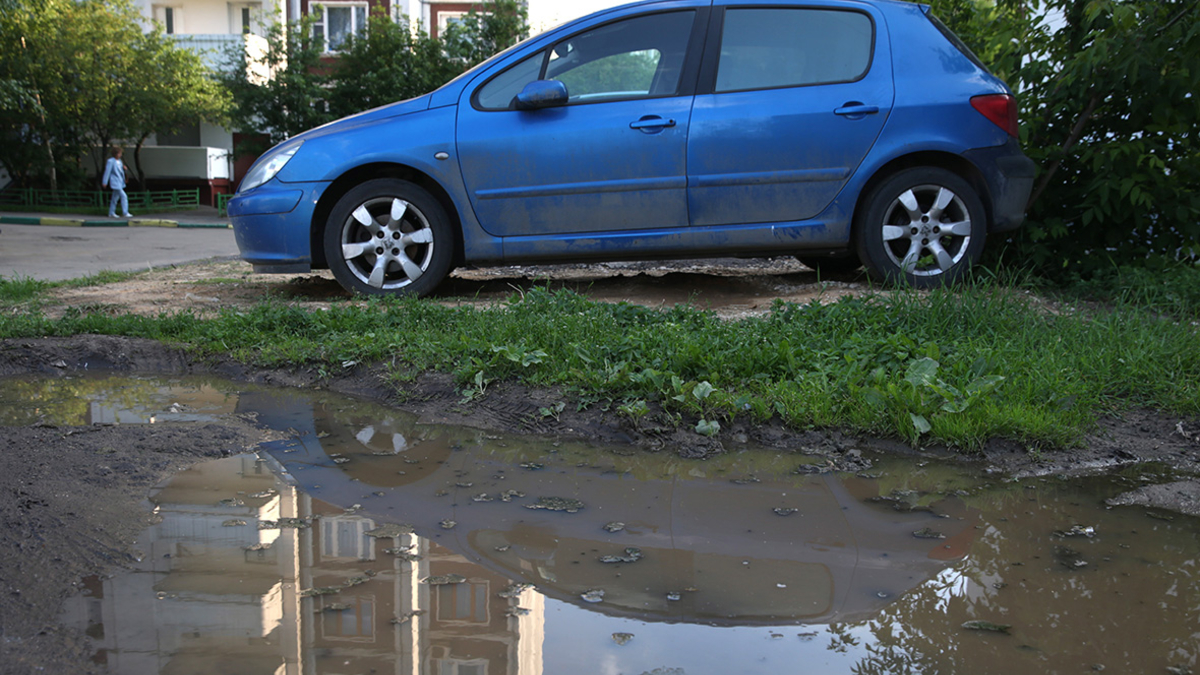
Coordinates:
[132,222]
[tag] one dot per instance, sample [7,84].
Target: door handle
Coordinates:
[651,122]
[855,110]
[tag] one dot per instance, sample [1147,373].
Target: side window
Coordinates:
[634,58]
[771,48]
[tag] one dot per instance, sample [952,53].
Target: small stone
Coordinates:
[556,504]
[390,530]
[784,511]
[448,524]
[622,638]
[614,526]
[928,533]
[632,554]
[592,595]
[987,626]
[514,589]
[445,580]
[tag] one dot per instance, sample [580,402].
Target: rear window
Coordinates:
[956,41]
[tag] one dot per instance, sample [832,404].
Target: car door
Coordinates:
[789,102]
[612,158]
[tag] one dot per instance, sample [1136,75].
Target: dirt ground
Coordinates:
[74,497]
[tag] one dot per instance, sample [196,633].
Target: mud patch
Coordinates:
[1180,496]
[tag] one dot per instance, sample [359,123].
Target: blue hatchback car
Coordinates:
[844,132]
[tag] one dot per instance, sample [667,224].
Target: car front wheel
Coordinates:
[923,227]
[388,237]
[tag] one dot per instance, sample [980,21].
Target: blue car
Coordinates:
[844,132]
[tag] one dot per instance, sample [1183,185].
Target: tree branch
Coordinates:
[1072,139]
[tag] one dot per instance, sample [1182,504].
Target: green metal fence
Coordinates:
[222,202]
[33,199]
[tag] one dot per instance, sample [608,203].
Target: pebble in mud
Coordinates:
[514,589]
[390,530]
[614,526]
[988,626]
[784,511]
[556,504]
[622,638]
[448,524]
[632,554]
[445,580]
[593,595]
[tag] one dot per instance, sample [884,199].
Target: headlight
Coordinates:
[266,167]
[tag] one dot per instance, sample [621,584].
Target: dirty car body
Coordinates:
[844,132]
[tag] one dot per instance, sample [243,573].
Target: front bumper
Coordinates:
[272,225]
[1009,175]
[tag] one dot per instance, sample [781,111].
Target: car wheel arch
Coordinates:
[358,175]
[942,160]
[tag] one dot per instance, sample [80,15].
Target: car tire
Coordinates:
[829,265]
[394,211]
[923,227]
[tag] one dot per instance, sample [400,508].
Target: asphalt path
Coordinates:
[62,247]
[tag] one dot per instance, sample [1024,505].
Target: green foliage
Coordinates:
[489,28]
[83,74]
[1109,114]
[389,63]
[301,88]
[282,92]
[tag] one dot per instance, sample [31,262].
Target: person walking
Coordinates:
[114,177]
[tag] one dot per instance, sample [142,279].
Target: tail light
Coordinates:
[1001,109]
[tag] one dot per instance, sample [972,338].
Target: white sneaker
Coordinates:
[111,215]
[127,215]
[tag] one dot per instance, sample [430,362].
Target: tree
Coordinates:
[389,63]
[173,88]
[496,26]
[1109,114]
[290,97]
[98,77]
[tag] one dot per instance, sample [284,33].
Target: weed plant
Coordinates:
[957,367]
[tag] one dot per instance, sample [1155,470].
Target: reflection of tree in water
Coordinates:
[1139,591]
[68,400]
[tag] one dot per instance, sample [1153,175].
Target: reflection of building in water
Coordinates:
[212,595]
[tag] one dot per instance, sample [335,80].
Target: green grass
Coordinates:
[26,293]
[956,367]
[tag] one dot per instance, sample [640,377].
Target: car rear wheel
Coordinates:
[388,237]
[923,227]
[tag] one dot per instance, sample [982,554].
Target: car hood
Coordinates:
[390,110]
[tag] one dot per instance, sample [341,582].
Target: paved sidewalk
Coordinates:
[53,247]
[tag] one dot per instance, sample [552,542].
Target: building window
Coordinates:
[337,22]
[354,621]
[345,537]
[244,18]
[466,602]
[460,667]
[170,18]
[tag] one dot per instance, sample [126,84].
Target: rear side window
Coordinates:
[765,48]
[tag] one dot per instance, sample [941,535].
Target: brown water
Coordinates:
[323,553]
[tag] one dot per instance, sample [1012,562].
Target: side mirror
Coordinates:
[542,94]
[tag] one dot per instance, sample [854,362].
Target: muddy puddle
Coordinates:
[366,542]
